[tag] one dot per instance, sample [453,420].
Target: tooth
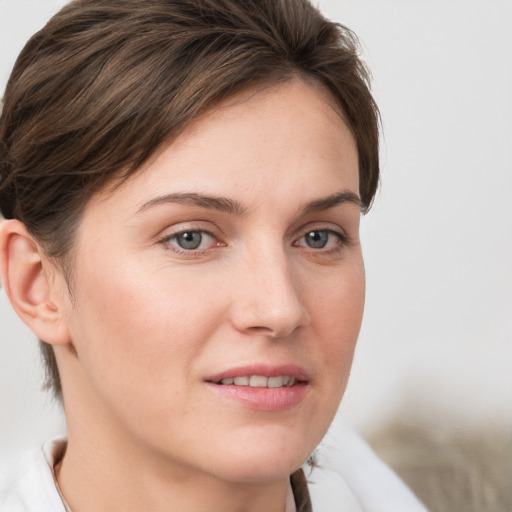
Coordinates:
[258,381]
[275,382]
[286,379]
[241,381]
[292,382]
[227,382]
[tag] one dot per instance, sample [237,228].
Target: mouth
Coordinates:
[262,387]
[261,376]
[260,381]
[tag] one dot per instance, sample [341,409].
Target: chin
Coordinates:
[265,461]
[254,472]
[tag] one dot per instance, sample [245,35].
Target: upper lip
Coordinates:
[265,370]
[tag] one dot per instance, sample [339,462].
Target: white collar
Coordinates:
[53,452]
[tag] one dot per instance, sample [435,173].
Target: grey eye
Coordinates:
[189,240]
[316,239]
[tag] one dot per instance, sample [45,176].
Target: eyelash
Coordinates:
[189,252]
[343,241]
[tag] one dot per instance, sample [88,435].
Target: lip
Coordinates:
[264,370]
[262,399]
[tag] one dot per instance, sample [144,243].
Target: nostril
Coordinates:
[260,329]
[280,331]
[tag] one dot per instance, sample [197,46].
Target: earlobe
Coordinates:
[27,284]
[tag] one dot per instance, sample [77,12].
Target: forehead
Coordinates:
[262,141]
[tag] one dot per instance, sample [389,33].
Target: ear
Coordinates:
[30,285]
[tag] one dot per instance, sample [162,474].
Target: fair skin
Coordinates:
[233,252]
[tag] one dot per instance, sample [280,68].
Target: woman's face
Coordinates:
[232,258]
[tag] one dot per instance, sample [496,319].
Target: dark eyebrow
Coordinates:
[222,204]
[334,200]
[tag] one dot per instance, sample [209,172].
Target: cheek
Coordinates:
[337,317]
[135,328]
[338,305]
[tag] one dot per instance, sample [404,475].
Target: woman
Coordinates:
[183,183]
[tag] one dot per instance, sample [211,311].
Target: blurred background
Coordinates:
[431,386]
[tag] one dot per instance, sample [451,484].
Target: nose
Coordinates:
[268,298]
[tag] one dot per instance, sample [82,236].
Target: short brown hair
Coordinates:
[106,82]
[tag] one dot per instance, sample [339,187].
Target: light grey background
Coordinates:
[437,335]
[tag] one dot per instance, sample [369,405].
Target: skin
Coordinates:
[149,321]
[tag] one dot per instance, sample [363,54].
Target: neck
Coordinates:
[92,478]
[103,471]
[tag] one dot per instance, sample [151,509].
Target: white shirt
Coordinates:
[351,479]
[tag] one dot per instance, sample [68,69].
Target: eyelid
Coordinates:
[343,239]
[329,227]
[190,227]
[198,225]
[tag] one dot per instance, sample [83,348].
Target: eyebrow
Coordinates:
[222,204]
[339,198]
[226,205]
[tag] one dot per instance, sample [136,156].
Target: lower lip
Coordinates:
[263,399]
